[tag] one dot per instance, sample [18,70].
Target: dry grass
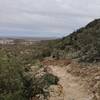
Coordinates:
[64,62]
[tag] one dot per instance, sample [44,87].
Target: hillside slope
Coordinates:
[83,43]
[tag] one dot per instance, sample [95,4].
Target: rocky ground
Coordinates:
[76,81]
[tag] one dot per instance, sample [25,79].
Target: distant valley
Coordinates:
[23,40]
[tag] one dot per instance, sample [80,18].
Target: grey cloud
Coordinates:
[55,16]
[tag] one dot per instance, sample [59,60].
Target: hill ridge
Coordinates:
[83,44]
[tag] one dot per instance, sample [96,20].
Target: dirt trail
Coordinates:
[72,89]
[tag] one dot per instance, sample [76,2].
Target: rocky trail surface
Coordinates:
[69,86]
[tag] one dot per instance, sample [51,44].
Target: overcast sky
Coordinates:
[52,18]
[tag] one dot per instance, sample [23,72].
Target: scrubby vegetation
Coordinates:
[83,44]
[16,82]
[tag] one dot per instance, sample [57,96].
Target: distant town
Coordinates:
[22,40]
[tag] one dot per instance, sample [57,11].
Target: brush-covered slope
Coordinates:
[83,43]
